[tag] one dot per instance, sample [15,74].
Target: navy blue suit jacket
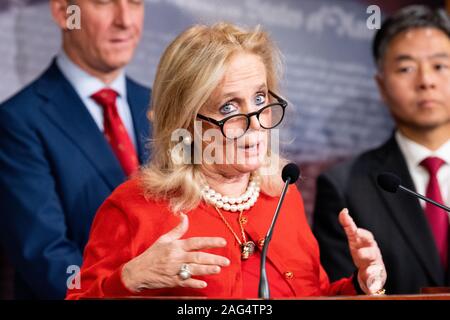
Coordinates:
[56,169]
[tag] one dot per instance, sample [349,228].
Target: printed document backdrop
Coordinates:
[334,111]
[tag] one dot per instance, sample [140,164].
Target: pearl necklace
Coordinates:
[244,202]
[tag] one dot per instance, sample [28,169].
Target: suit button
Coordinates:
[243,220]
[288,275]
[261,242]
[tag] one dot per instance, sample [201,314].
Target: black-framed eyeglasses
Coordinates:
[235,126]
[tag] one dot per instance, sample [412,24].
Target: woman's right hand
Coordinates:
[159,265]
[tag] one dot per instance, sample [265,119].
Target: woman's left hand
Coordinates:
[366,255]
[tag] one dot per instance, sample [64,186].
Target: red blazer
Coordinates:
[127,224]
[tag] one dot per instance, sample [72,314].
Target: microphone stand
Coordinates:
[263,290]
[424,198]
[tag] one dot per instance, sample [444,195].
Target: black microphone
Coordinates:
[391,183]
[290,174]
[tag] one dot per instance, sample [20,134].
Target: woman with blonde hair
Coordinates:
[193,221]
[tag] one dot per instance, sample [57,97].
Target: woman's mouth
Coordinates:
[250,149]
[249,145]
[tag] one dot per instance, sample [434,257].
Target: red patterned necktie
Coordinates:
[437,217]
[115,131]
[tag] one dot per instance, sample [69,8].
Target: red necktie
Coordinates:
[437,217]
[115,131]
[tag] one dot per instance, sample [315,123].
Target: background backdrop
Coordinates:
[335,110]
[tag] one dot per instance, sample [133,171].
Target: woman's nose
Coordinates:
[254,123]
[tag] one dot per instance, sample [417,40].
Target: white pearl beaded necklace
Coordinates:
[244,202]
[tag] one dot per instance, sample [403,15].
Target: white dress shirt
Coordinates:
[86,85]
[414,154]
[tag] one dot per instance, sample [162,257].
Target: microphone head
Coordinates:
[388,182]
[290,171]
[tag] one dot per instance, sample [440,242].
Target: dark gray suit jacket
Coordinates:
[396,220]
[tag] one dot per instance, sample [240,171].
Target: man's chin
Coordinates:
[427,125]
[118,60]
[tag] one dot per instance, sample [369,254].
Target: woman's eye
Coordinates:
[260,99]
[227,108]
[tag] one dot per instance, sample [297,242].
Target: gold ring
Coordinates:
[380,292]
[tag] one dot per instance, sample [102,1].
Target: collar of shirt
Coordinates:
[415,153]
[85,84]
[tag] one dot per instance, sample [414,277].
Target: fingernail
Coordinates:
[216,269]
[227,262]
[204,284]
[345,210]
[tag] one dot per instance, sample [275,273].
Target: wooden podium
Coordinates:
[429,293]
[431,296]
[422,296]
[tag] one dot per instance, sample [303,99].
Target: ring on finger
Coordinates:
[184,272]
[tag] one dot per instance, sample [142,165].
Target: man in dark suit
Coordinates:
[67,140]
[412,52]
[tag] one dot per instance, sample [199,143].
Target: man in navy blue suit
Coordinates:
[60,149]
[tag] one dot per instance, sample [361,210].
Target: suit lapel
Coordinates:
[68,112]
[407,211]
[138,100]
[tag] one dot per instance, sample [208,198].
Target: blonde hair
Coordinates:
[189,71]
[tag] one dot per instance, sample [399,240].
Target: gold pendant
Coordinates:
[247,248]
